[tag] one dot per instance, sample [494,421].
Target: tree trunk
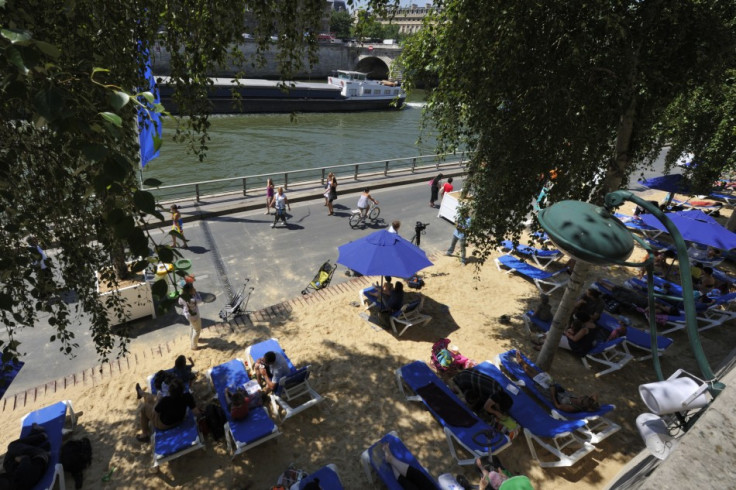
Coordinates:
[562,315]
[612,181]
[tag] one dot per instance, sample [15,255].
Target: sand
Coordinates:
[353,363]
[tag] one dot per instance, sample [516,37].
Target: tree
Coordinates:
[68,104]
[341,23]
[581,88]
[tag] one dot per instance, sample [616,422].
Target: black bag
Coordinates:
[76,455]
[415,282]
[215,417]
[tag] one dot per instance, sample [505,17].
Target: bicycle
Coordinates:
[419,230]
[356,215]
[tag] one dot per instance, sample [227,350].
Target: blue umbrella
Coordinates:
[674,183]
[383,254]
[696,226]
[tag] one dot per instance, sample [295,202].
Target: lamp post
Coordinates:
[591,233]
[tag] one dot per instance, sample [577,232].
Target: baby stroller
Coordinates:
[322,278]
[237,306]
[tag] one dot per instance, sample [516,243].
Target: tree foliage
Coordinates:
[69,73]
[341,23]
[586,89]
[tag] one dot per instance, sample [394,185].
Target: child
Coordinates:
[237,403]
[492,475]
[182,370]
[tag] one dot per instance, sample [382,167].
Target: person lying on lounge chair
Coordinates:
[561,398]
[409,477]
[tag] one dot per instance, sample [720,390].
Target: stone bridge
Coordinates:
[375,59]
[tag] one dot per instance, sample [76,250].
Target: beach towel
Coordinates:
[447,408]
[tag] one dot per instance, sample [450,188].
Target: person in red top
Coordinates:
[447,187]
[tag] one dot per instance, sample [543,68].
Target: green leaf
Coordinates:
[138,265]
[144,201]
[47,49]
[159,288]
[165,254]
[16,59]
[157,141]
[148,96]
[15,36]
[99,70]
[118,99]
[138,243]
[112,118]
[124,227]
[152,182]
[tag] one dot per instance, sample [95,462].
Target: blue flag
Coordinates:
[149,123]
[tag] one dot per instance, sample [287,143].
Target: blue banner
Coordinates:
[149,122]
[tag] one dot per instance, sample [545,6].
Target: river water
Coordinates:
[263,143]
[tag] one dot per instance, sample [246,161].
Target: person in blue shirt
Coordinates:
[459,236]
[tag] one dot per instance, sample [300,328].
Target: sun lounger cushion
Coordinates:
[259,350]
[327,476]
[171,441]
[257,424]
[448,408]
[400,451]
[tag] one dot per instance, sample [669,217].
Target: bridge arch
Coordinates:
[377,67]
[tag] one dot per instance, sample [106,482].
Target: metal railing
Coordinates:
[255,184]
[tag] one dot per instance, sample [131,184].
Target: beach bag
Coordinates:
[215,419]
[76,455]
[415,282]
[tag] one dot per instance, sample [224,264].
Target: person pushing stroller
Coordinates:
[280,202]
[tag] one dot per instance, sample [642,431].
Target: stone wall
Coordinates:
[331,57]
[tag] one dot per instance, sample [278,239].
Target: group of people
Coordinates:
[167,407]
[438,189]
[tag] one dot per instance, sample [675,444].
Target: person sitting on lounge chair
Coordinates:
[396,299]
[270,369]
[581,335]
[561,398]
[166,412]
[590,303]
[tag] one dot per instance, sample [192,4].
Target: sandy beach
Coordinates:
[353,363]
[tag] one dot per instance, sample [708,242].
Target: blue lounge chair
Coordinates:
[613,353]
[543,258]
[383,470]
[327,476]
[54,419]
[551,281]
[635,337]
[253,430]
[417,382]
[597,427]
[172,443]
[566,448]
[294,394]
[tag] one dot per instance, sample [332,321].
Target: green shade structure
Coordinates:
[587,232]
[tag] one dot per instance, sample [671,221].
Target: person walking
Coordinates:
[177,225]
[435,188]
[331,193]
[269,195]
[363,203]
[280,203]
[189,301]
[447,187]
[459,236]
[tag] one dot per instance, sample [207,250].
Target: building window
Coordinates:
[367,91]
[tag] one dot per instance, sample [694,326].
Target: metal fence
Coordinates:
[255,184]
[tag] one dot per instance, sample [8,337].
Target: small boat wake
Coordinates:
[415,105]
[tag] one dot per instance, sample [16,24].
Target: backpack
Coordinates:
[76,455]
[215,417]
[415,282]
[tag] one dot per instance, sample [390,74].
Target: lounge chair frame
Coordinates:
[453,441]
[546,282]
[234,446]
[597,427]
[197,443]
[613,354]
[55,467]
[409,315]
[543,258]
[367,463]
[527,412]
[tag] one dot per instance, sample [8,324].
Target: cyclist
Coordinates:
[363,203]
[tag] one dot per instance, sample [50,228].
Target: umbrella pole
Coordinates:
[380,296]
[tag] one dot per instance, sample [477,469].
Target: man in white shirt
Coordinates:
[270,369]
